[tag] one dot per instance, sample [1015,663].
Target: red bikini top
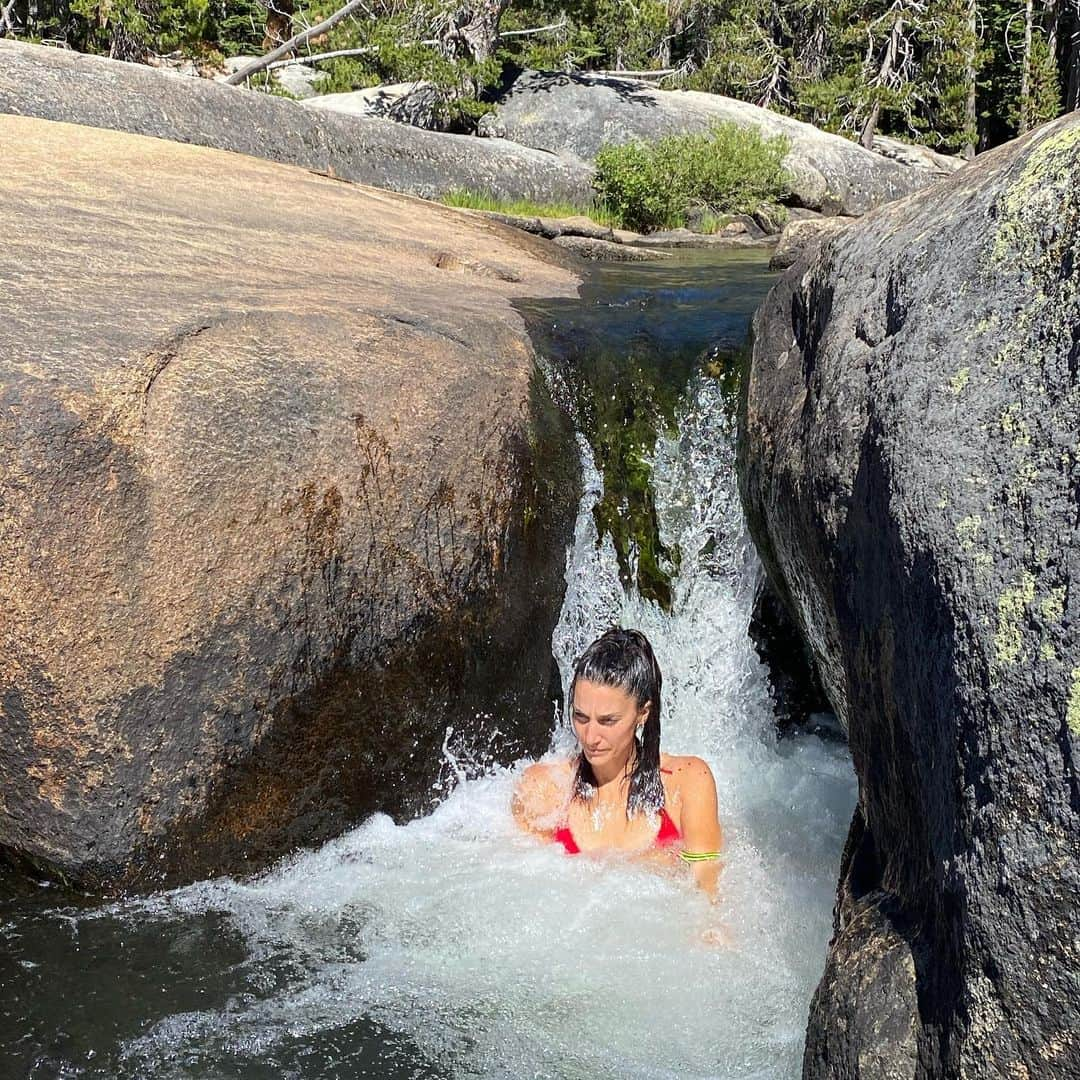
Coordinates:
[666,835]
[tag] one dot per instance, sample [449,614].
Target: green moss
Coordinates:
[1072,712]
[623,418]
[1052,606]
[1012,607]
[967,531]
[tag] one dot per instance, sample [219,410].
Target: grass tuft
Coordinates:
[481,200]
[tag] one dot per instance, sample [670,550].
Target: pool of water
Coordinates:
[452,946]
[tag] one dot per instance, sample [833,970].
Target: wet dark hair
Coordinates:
[624,659]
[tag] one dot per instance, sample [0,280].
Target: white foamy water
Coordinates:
[495,955]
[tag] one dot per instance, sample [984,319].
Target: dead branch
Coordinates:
[293,43]
[533,30]
[7,23]
[273,65]
[659,73]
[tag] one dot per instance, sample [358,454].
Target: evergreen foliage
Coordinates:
[953,74]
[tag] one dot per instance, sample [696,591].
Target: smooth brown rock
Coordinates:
[800,235]
[279,502]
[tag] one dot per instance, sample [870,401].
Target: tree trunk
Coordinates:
[1072,92]
[1051,24]
[971,116]
[1025,71]
[476,38]
[279,18]
[866,136]
[1069,53]
[7,17]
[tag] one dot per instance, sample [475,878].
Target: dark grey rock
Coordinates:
[864,1019]
[797,695]
[685,238]
[55,84]
[910,470]
[573,115]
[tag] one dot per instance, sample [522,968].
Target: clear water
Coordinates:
[451,945]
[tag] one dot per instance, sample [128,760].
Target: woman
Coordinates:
[620,793]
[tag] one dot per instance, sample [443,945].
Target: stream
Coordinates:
[451,945]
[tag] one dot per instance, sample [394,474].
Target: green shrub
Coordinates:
[728,169]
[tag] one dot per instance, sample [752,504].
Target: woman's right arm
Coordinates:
[536,800]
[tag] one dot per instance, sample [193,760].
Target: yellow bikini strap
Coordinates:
[698,856]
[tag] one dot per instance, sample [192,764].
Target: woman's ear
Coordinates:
[643,714]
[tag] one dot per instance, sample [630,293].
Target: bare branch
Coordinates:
[620,74]
[293,43]
[533,30]
[314,58]
[368,50]
[7,23]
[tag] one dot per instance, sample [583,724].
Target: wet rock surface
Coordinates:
[909,467]
[574,115]
[54,84]
[281,502]
[864,1017]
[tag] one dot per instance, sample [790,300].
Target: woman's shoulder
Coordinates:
[685,766]
[687,774]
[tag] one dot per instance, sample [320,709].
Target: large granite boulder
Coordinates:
[910,469]
[55,84]
[573,115]
[281,501]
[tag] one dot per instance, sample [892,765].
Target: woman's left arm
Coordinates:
[703,839]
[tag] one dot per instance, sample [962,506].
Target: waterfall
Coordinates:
[473,950]
[453,945]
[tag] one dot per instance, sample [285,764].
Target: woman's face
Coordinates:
[605,720]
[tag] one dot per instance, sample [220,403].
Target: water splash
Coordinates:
[473,950]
